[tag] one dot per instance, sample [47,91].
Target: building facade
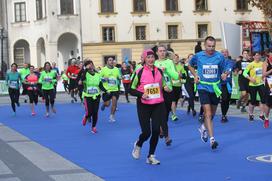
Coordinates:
[3,39]
[123,28]
[44,30]
[58,30]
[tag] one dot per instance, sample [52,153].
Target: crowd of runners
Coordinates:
[158,81]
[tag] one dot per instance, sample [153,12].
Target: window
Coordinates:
[201,5]
[140,32]
[107,6]
[108,34]
[172,31]
[171,5]
[66,7]
[139,5]
[242,4]
[39,9]
[19,55]
[202,30]
[20,11]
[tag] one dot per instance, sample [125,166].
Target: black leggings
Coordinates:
[145,114]
[190,90]
[126,87]
[168,107]
[14,97]
[49,96]
[33,96]
[91,109]
[225,99]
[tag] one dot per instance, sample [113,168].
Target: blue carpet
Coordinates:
[108,153]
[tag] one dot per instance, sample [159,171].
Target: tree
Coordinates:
[264,5]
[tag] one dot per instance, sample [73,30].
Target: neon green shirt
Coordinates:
[91,85]
[180,69]
[48,80]
[24,72]
[169,71]
[255,71]
[110,78]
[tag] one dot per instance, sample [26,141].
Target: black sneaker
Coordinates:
[75,99]
[224,119]
[25,101]
[262,117]
[194,113]
[168,142]
[214,144]
[251,117]
[243,110]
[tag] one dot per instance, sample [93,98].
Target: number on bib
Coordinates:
[13,84]
[112,82]
[152,90]
[92,90]
[210,71]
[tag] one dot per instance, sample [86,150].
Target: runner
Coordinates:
[13,81]
[177,86]
[111,79]
[226,86]
[256,84]
[65,81]
[147,86]
[79,85]
[267,73]
[190,86]
[169,73]
[31,80]
[242,81]
[126,75]
[48,79]
[92,84]
[24,72]
[72,73]
[210,69]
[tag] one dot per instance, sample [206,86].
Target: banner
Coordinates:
[3,87]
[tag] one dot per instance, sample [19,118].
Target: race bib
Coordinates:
[127,77]
[152,90]
[259,72]
[210,71]
[112,82]
[48,80]
[74,76]
[269,82]
[244,65]
[92,90]
[13,84]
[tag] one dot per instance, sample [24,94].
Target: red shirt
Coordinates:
[72,71]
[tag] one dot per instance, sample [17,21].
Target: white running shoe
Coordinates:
[136,152]
[203,133]
[112,119]
[152,160]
